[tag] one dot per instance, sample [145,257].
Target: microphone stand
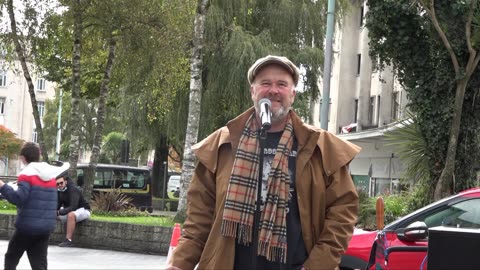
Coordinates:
[257,216]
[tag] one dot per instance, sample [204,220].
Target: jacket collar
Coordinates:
[335,152]
[303,133]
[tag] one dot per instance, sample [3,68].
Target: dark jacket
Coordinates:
[71,199]
[35,198]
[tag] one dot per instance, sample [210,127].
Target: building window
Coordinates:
[3,78]
[378,110]
[35,135]
[2,105]
[395,106]
[371,109]
[41,84]
[41,113]
[362,15]
[355,117]
[41,108]
[359,62]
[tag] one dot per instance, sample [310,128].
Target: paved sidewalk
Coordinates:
[83,258]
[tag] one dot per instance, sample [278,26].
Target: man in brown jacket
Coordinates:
[308,200]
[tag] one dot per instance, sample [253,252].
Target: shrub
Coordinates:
[396,205]
[5,205]
[112,201]
[366,213]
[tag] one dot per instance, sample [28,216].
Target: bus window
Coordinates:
[98,180]
[132,181]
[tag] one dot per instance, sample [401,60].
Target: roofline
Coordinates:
[374,133]
[103,165]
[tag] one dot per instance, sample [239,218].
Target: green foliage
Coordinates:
[366,213]
[9,144]
[150,76]
[412,148]
[142,220]
[112,144]
[111,201]
[128,212]
[396,206]
[403,36]
[5,205]
[239,32]
[87,111]
[416,197]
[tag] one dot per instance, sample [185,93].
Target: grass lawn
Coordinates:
[141,220]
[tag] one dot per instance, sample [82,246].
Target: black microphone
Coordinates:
[265,113]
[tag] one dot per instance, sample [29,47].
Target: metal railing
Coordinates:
[9,178]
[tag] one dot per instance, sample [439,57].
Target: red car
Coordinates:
[403,243]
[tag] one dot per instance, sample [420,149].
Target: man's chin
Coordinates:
[279,116]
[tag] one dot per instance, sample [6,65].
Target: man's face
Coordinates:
[61,184]
[276,84]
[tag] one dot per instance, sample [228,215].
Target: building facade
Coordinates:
[364,104]
[16,111]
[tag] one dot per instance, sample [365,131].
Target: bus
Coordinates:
[134,182]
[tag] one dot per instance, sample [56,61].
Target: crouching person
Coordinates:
[72,207]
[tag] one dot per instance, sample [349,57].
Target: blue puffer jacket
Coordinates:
[35,198]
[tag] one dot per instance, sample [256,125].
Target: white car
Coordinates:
[174,185]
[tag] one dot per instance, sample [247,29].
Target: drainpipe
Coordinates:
[327,65]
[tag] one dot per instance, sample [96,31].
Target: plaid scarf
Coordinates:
[238,215]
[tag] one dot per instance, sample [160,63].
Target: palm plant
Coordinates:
[412,148]
[111,201]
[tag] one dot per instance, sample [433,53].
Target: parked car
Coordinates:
[173,186]
[403,243]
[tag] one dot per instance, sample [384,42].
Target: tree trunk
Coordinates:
[76,64]
[311,111]
[26,74]
[101,113]
[445,186]
[191,136]
[158,173]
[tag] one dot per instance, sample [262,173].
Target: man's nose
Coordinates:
[274,89]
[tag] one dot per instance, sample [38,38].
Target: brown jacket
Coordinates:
[327,198]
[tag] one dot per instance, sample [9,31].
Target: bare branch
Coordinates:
[473,57]
[468,27]
[431,12]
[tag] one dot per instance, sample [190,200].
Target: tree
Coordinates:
[463,72]
[236,34]
[112,145]
[152,78]
[78,8]
[147,89]
[9,144]
[432,47]
[26,73]
[101,110]
[194,108]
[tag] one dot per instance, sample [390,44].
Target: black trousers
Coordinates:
[36,247]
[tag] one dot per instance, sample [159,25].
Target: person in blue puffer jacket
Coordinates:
[36,201]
